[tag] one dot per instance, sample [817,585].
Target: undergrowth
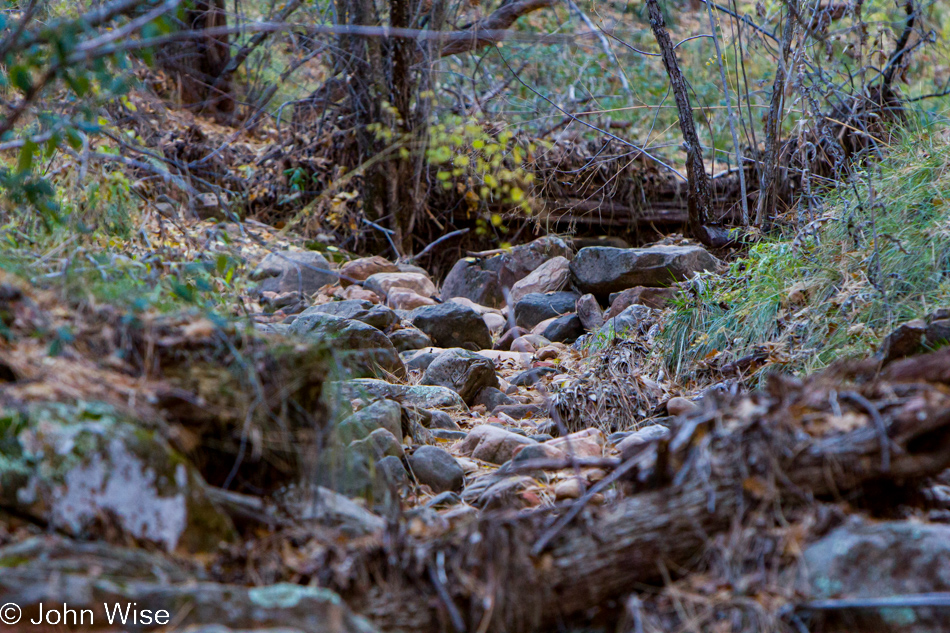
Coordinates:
[876,256]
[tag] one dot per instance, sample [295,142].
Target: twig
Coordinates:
[879,425]
[438,241]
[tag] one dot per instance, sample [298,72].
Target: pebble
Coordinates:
[571,488]
[681,406]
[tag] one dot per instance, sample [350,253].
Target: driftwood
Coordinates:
[789,447]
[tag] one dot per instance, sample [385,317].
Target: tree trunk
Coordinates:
[197,63]
[698,199]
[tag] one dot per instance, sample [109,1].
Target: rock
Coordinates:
[360,348]
[630,319]
[92,577]
[915,336]
[517,263]
[432,418]
[565,329]
[477,307]
[601,270]
[586,443]
[436,468]
[412,268]
[383,283]
[380,317]
[419,360]
[881,560]
[505,340]
[382,414]
[589,312]
[681,406]
[390,473]
[293,271]
[321,505]
[535,308]
[377,445]
[444,500]
[603,240]
[362,268]
[491,398]
[449,435]
[409,338]
[403,299]
[551,276]
[520,411]
[571,488]
[492,444]
[503,493]
[464,372]
[629,445]
[475,279]
[538,451]
[523,345]
[549,352]
[531,376]
[420,396]
[356,292]
[88,472]
[495,322]
[657,298]
[452,325]
[538,330]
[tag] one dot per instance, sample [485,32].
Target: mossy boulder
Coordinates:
[88,472]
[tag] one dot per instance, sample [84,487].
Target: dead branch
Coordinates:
[488,30]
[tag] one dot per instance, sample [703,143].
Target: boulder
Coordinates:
[534,308]
[505,340]
[475,279]
[492,444]
[361,349]
[601,270]
[452,325]
[589,312]
[377,445]
[293,271]
[380,317]
[463,371]
[492,397]
[531,376]
[382,414]
[420,359]
[421,396]
[630,319]
[436,468]
[517,263]
[87,472]
[94,576]
[481,309]
[551,276]
[405,299]
[364,267]
[382,283]
[565,329]
[881,560]
[657,298]
[409,338]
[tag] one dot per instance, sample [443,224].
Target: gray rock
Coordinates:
[520,411]
[421,396]
[377,445]
[432,418]
[531,376]
[505,340]
[444,500]
[88,580]
[492,444]
[316,504]
[409,338]
[446,434]
[657,298]
[382,414]
[881,560]
[632,443]
[378,316]
[391,473]
[916,336]
[382,283]
[564,329]
[437,469]
[475,279]
[536,307]
[464,372]
[419,360]
[601,270]
[452,325]
[492,397]
[361,349]
[589,312]
[72,467]
[551,276]
[293,271]
[524,258]
[630,319]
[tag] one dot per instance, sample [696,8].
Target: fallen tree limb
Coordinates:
[784,448]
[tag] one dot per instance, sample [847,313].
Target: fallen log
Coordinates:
[796,443]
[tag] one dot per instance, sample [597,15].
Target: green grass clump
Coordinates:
[879,255]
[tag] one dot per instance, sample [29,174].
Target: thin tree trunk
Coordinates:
[767,169]
[698,201]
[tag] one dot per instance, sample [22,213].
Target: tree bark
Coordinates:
[698,199]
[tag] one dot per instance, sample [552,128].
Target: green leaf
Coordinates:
[25,162]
